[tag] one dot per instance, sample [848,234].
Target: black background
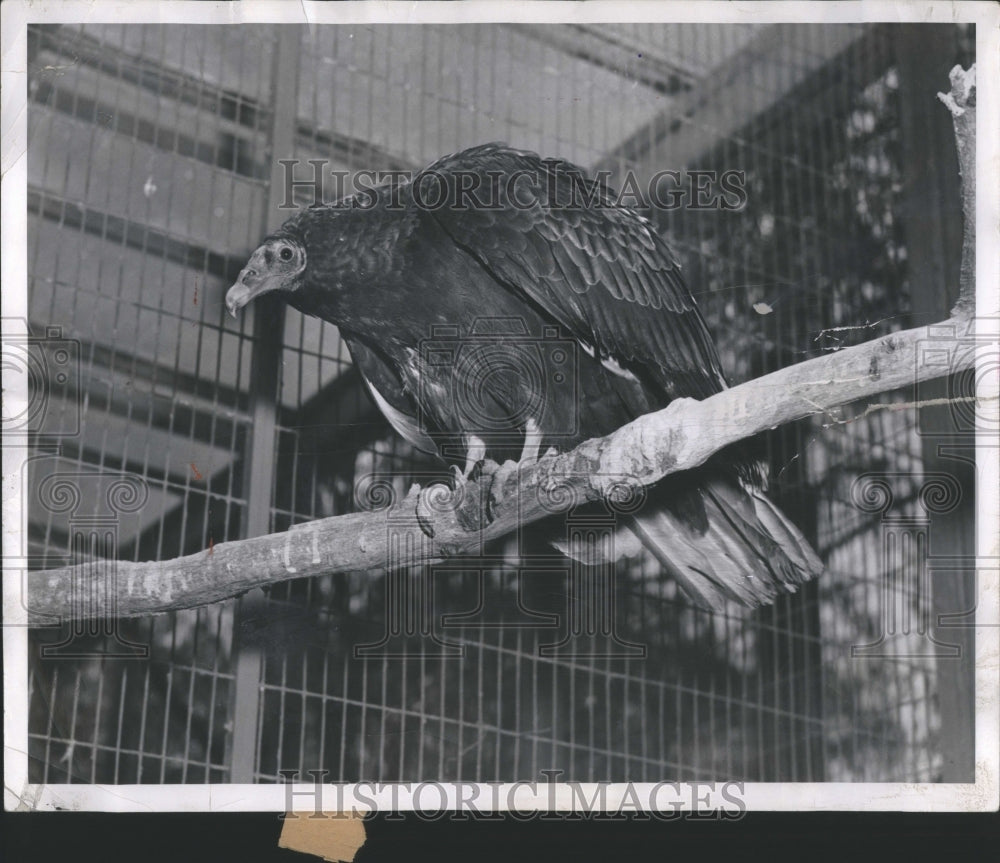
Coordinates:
[252,837]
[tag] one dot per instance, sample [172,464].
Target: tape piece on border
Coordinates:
[335,836]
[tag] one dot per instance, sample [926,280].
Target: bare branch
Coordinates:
[961,101]
[680,437]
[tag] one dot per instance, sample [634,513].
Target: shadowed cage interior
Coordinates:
[151,150]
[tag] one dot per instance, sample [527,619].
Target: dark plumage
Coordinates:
[529,318]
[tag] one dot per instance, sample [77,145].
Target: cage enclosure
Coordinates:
[153,157]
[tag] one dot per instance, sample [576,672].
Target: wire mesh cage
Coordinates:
[152,163]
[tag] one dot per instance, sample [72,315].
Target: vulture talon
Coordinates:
[483,467]
[440,497]
[456,479]
[489,479]
[498,483]
[423,513]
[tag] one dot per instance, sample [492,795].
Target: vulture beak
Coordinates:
[256,278]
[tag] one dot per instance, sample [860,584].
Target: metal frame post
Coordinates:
[269,316]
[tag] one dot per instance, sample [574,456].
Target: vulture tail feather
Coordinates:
[744,549]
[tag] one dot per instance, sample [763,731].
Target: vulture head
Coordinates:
[277,265]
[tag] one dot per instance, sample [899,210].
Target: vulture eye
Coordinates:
[285,253]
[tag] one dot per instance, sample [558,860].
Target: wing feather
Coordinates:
[388,394]
[601,271]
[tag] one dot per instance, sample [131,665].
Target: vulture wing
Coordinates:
[599,269]
[387,392]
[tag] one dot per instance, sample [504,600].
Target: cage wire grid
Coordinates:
[152,151]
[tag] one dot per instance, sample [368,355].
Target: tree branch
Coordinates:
[679,437]
[961,101]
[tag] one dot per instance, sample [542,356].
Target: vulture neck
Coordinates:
[380,272]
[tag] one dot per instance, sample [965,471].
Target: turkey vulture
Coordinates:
[498,305]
